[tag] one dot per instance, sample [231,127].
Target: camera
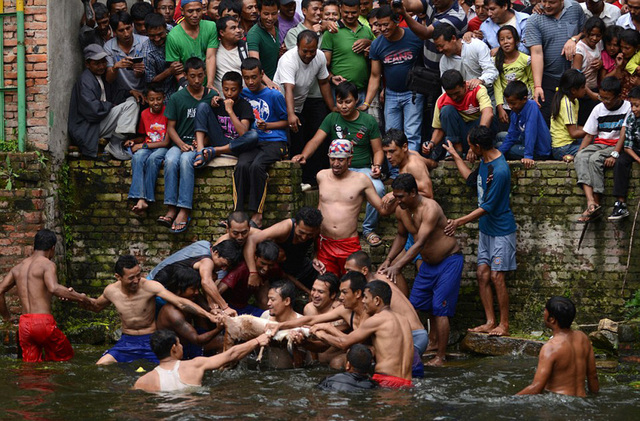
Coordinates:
[396,3]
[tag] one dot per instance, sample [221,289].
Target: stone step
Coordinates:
[482,343]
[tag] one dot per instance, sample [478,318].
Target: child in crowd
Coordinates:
[528,138]
[601,145]
[148,150]
[631,153]
[512,64]
[566,134]
[611,41]
[625,68]
[589,52]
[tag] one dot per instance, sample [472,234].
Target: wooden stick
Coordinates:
[633,229]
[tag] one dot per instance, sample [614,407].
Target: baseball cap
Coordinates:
[340,148]
[94,52]
[183,3]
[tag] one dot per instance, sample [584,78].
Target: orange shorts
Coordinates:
[393,382]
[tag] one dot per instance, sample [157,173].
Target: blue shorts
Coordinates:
[248,309]
[497,252]
[407,246]
[191,351]
[420,340]
[131,348]
[417,366]
[436,287]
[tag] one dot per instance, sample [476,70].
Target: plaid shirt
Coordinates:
[156,64]
[632,132]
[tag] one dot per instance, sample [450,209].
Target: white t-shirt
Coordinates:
[226,61]
[605,125]
[589,54]
[292,70]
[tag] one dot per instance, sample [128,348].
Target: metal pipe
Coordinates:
[22,97]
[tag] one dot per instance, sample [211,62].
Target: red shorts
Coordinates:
[39,332]
[334,253]
[393,382]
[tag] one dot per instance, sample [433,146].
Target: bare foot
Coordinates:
[432,347]
[501,330]
[181,219]
[140,207]
[485,328]
[436,362]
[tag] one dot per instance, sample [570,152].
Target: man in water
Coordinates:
[567,359]
[389,332]
[173,374]
[356,377]
[134,298]
[435,289]
[36,281]
[324,295]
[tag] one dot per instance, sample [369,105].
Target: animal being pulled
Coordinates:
[244,328]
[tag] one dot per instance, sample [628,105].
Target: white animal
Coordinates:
[246,327]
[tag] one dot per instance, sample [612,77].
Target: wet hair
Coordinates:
[446,31]
[116,18]
[562,309]
[305,3]
[44,240]
[154,20]
[631,37]
[346,88]
[405,182]
[239,217]
[307,36]
[184,278]
[233,5]
[262,3]
[612,32]
[387,12]
[268,250]
[570,79]
[234,77]
[230,250]
[154,87]
[140,10]
[634,93]
[357,280]
[100,11]
[312,217]
[361,259]
[500,54]
[481,136]
[332,282]
[499,3]
[251,63]
[360,358]
[380,289]
[451,79]
[351,3]
[112,2]
[516,88]
[611,84]
[162,341]
[222,23]
[396,136]
[285,289]
[193,63]
[126,261]
[593,22]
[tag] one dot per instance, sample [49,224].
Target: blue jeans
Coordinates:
[145,165]
[371,214]
[454,127]
[570,149]
[516,152]
[401,113]
[179,178]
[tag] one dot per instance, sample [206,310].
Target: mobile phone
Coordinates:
[136,60]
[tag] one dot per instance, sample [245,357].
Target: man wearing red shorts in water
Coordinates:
[36,280]
[390,335]
[341,195]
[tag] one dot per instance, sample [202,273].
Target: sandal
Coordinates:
[204,157]
[592,213]
[165,221]
[183,226]
[373,239]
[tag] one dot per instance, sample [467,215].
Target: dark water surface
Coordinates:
[477,388]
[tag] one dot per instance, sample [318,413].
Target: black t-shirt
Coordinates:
[243,110]
[347,382]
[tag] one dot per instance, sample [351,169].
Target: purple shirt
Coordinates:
[284,25]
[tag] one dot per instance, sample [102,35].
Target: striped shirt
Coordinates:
[552,34]
[605,124]
[454,16]
[632,132]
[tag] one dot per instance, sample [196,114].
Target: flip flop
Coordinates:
[183,225]
[205,156]
[592,213]
[371,239]
[253,224]
[165,221]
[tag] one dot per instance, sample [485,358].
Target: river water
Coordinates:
[470,389]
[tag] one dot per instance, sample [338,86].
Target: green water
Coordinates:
[477,388]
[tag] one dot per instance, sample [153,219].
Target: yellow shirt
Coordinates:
[518,70]
[568,115]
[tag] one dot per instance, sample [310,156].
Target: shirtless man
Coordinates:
[361,262]
[36,280]
[173,375]
[389,332]
[193,339]
[134,298]
[437,284]
[324,294]
[295,237]
[238,228]
[567,359]
[341,194]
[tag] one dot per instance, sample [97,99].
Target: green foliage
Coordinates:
[9,145]
[633,304]
[67,204]
[9,174]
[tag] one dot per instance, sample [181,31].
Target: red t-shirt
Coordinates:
[153,126]
[474,24]
[237,280]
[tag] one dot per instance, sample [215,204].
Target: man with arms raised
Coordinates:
[567,359]
[389,332]
[173,374]
[36,280]
[437,284]
[134,298]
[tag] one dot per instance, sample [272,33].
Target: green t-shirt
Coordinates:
[182,108]
[359,131]
[267,46]
[344,61]
[181,47]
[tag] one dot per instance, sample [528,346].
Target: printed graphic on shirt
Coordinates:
[156,132]
[398,57]
[261,110]
[227,126]
[343,133]
[191,113]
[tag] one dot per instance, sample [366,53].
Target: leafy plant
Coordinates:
[9,174]
[633,304]
[9,145]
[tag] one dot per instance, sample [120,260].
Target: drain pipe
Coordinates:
[22,97]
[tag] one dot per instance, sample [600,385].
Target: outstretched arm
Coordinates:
[235,353]
[340,340]
[183,304]
[51,282]
[210,289]
[186,330]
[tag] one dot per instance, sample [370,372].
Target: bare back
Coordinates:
[400,304]
[137,310]
[393,344]
[572,356]
[30,276]
[417,167]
